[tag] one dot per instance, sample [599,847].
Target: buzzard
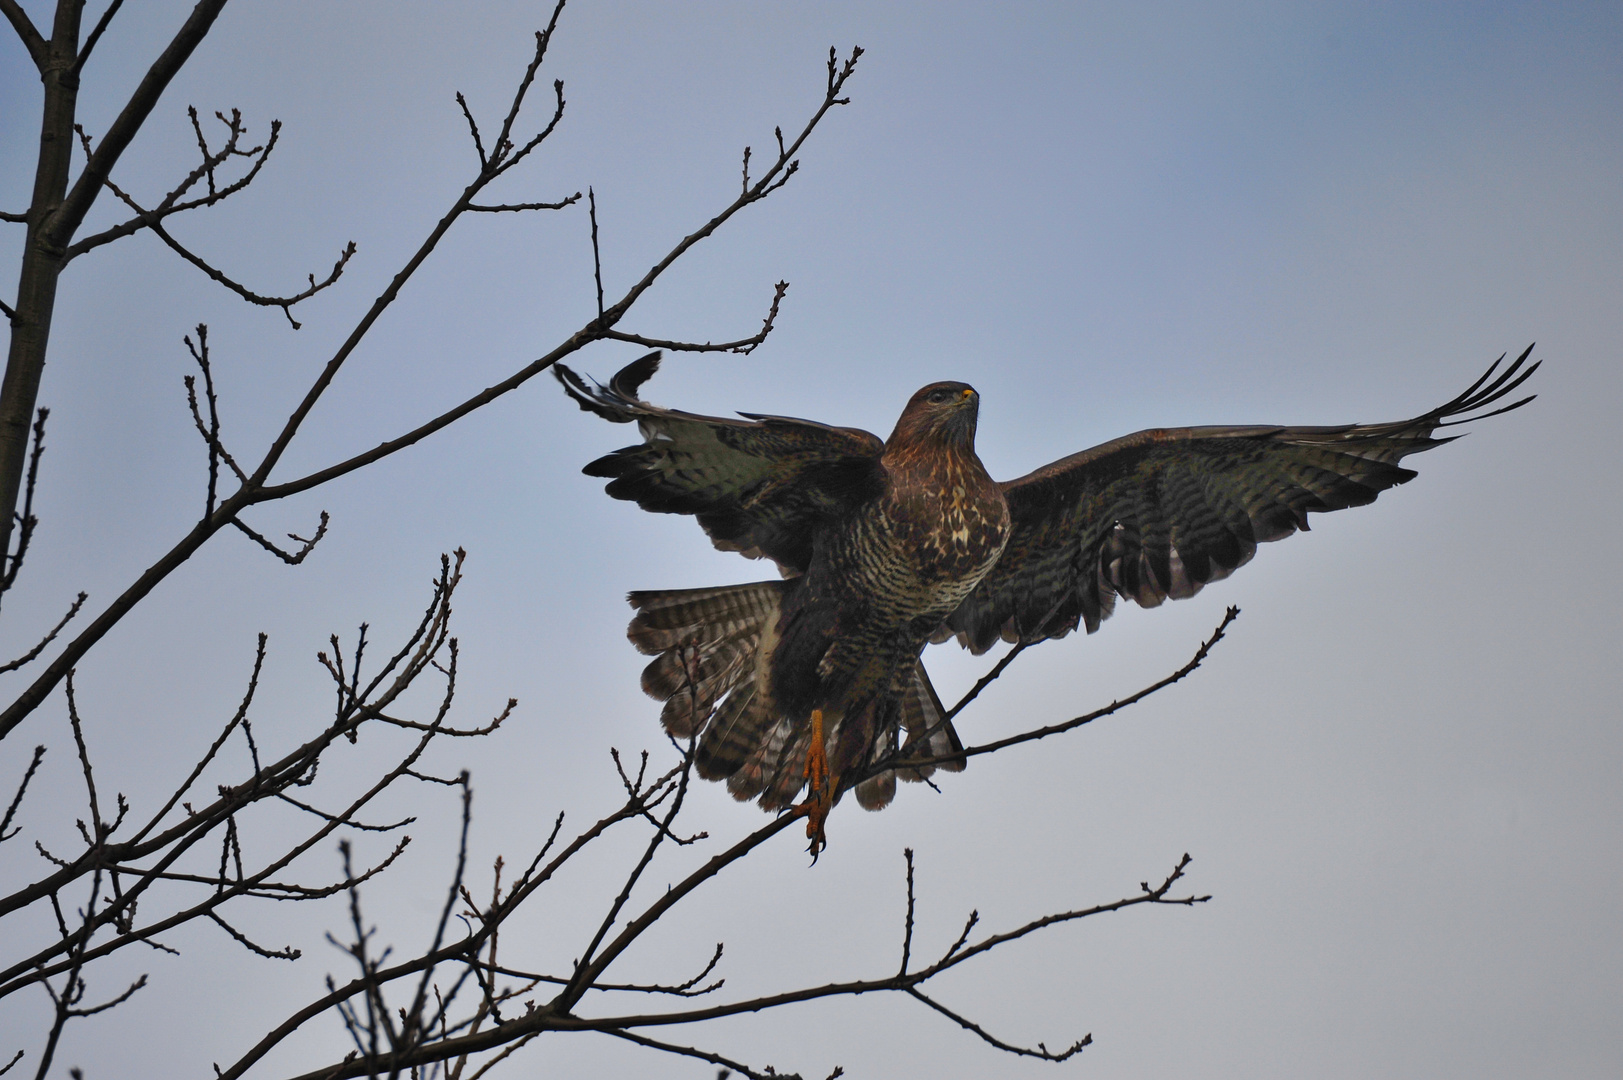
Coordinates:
[886,546]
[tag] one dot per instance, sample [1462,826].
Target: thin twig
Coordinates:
[38,50]
[473,128]
[95,36]
[1041,1051]
[154,221]
[22,789]
[742,345]
[286,953]
[705,1055]
[26,521]
[907,926]
[33,653]
[597,257]
[1055,729]
[172,202]
[510,207]
[292,558]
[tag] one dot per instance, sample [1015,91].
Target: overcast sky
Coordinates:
[1399,777]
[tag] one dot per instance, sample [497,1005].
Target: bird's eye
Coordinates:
[938,396]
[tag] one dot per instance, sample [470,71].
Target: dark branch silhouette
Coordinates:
[257,488]
[174,203]
[26,521]
[454,1001]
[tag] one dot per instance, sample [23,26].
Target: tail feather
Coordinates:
[712,652]
[876,792]
[929,735]
[737,728]
[711,648]
[704,616]
[690,681]
[775,769]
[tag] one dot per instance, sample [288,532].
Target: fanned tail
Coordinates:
[712,669]
[713,648]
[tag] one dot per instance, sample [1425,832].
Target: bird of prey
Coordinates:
[886,546]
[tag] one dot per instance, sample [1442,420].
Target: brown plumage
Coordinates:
[886,546]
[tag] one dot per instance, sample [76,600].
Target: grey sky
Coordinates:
[1399,777]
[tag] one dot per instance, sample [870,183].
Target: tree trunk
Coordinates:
[42,260]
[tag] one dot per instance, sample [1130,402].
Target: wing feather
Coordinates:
[1163,512]
[759,486]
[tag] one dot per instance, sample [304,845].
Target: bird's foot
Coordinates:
[819,789]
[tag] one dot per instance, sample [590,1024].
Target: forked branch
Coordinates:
[175,202]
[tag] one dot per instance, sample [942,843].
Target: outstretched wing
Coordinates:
[759,486]
[1162,512]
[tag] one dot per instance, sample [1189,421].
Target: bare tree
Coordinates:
[452,1006]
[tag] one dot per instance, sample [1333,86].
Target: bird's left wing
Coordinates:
[759,486]
[1160,513]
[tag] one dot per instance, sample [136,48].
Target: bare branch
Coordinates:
[33,653]
[988,679]
[211,160]
[26,521]
[95,36]
[237,718]
[456,733]
[532,880]
[1042,733]
[473,129]
[115,1002]
[985,945]
[506,207]
[360,826]
[22,789]
[742,345]
[30,37]
[706,1055]
[36,968]
[593,331]
[284,302]
[287,953]
[969,925]
[968,1025]
[211,430]
[597,258]
[907,925]
[153,221]
[273,890]
[171,844]
[897,761]
[84,763]
[62,224]
[502,157]
[774,178]
[292,558]
[639,797]
[684,989]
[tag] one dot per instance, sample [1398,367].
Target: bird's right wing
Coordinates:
[759,486]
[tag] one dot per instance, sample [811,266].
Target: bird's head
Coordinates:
[942,412]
